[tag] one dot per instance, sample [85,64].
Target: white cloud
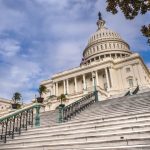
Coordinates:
[18,77]
[11,19]
[9,47]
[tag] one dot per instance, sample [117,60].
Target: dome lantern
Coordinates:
[100,22]
[105,43]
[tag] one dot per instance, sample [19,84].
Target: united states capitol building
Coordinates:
[116,116]
[108,65]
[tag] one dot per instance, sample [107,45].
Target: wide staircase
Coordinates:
[116,124]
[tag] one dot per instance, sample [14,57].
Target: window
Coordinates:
[97,58]
[92,59]
[130,81]
[128,70]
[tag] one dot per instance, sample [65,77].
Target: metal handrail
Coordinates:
[127,93]
[15,122]
[136,90]
[67,112]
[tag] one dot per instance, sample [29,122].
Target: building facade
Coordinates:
[5,105]
[108,64]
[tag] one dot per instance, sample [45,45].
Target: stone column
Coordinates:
[64,87]
[84,83]
[56,88]
[111,74]
[67,86]
[97,81]
[107,79]
[75,84]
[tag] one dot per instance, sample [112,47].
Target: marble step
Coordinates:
[96,134]
[79,144]
[96,121]
[108,130]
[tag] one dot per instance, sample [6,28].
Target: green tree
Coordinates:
[16,97]
[42,89]
[62,98]
[130,9]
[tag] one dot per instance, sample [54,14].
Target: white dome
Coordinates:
[104,34]
[105,42]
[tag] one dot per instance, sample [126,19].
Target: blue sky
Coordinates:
[41,37]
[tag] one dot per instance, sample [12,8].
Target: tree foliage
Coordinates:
[42,89]
[130,9]
[62,98]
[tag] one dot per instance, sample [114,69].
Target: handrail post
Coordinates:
[60,119]
[37,116]
[96,96]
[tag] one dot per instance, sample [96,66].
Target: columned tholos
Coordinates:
[75,84]
[84,82]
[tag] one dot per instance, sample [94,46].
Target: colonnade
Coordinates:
[95,82]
